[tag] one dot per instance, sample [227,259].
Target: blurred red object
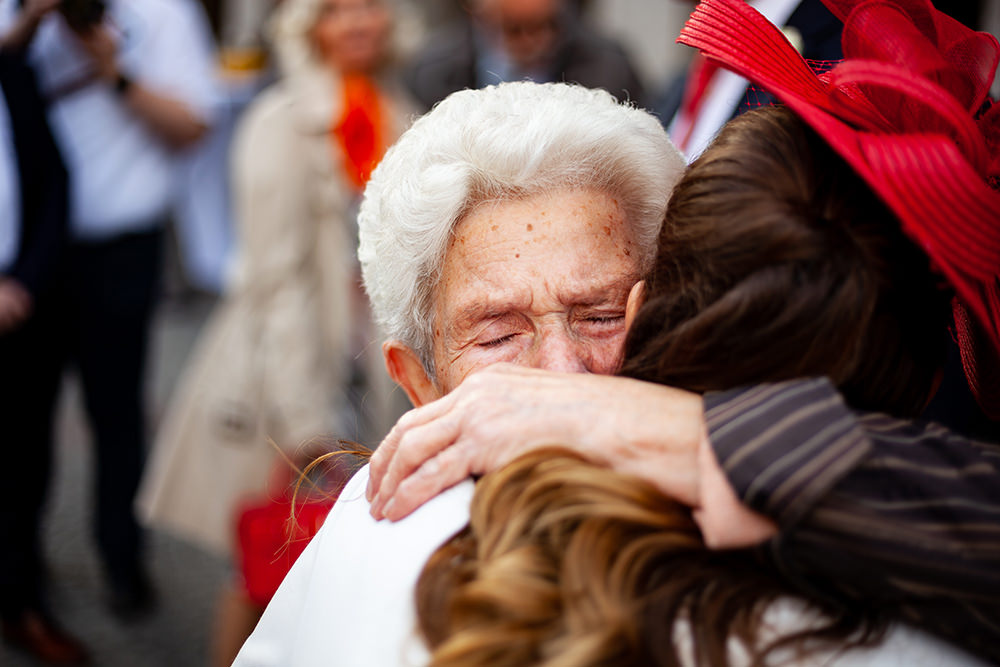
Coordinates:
[270,538]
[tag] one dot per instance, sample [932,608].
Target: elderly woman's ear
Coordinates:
[406,370]
[636,297]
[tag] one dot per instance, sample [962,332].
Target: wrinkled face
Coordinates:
[351,35]
[528,29]
[539,282]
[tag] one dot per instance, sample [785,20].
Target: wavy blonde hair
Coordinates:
[567,563]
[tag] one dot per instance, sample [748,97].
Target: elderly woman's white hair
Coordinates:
[509,141]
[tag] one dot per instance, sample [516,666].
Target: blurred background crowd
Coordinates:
[178,182]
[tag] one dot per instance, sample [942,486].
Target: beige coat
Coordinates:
[271,368]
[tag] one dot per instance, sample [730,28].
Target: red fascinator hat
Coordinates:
[908,108]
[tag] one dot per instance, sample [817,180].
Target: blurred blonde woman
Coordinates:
[291,339]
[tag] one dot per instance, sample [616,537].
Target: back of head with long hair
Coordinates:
[775,262]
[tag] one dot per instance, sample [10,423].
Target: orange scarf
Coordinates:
[358,133]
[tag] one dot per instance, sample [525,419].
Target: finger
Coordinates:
[415,448]
[436,474]
[380,460]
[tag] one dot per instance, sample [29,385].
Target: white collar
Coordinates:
[726,91]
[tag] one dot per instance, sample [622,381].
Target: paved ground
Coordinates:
[188,579]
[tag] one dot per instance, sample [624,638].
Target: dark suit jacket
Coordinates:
[42,178]
[448,63]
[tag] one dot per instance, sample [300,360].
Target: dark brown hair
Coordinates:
[775,262]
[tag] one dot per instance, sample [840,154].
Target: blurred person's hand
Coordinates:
[35,10]
[101,46]
[170,119]
[24,26]
[15,304]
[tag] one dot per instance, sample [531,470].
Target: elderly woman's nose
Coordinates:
[555,350]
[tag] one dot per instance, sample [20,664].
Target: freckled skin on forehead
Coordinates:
[540,282]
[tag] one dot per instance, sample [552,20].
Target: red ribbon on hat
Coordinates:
[909,109]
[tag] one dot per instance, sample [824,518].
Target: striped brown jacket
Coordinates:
[901,514]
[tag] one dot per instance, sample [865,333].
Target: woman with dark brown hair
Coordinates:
[775,262]
[891,513]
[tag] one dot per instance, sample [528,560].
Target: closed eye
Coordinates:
[602,325]
[496,342]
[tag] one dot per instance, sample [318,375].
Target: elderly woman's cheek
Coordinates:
[474,356]
[606,353]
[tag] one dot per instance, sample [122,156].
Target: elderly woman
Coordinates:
[292,337]
[508,224]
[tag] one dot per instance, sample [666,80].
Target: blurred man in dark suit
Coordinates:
[511,40]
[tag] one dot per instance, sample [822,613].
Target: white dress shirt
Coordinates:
[349,598]
[726,89]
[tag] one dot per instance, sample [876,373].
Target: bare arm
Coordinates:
[20,33]
[172,120]
[654,432]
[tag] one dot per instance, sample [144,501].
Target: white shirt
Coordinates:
[349,598]
[10,193]
[726,89]
[122,176]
